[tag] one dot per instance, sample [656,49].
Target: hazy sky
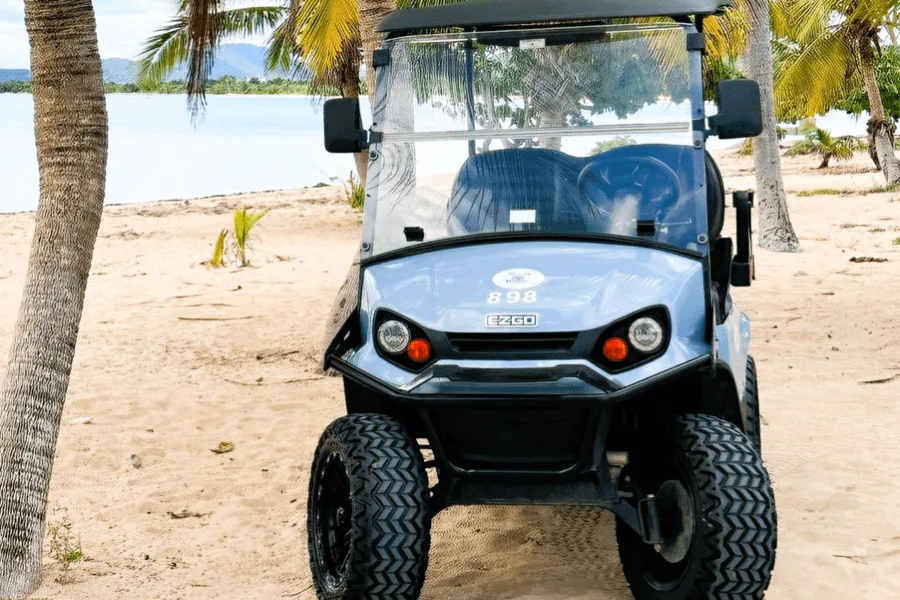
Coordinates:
[122,27]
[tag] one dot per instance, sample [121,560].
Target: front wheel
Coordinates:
[751,397]
[368,522]
[719,523]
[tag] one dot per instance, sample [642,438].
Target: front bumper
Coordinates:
[568,382]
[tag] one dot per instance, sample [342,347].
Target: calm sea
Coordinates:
[244,144]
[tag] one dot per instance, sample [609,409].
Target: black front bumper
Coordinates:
[514,394]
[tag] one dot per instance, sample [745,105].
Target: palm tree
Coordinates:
[820,143]
[775,229]
[838,41]
[316,37]
[71,134]
[747,33]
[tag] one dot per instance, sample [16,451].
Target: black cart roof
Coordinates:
[487,14]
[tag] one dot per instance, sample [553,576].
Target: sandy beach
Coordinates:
[175,357]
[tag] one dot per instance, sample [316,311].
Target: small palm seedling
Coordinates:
[238,240]
[820,143]
[244,222]
[218,257]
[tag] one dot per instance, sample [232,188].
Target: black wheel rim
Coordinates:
[333,519]
[659,572]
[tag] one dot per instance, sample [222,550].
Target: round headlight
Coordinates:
[393,337]
[646,334]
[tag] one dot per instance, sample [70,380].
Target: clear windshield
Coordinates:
[564,131]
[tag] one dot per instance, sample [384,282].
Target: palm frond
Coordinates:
[806,20]
[726,35]
[779,14]
[162,54]
[322,27]
[171,46]
[873,12]
[800,94]
[283,47]
[203,35]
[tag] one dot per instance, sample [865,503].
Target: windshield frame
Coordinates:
[696,127]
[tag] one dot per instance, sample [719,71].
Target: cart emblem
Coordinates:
[511,320]
[518,279]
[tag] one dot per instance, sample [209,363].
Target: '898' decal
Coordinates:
[516,282]
[512,297]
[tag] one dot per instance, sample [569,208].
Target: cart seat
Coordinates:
[492,184]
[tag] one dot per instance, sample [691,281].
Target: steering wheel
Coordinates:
[651,186]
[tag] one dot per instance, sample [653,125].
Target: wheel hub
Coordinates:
[333,519]
[676,518]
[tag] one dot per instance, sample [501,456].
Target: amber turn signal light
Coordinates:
[615,349]
[419,351]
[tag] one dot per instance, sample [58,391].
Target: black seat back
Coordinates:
[491,184]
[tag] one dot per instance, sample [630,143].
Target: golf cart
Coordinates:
[543,313]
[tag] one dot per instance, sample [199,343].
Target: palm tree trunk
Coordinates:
[71,134]
[881,125]
[826,160]
[870,140]
[371,12]
[350,89]
[775,229]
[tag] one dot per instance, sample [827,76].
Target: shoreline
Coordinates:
[208,94]
[231,196]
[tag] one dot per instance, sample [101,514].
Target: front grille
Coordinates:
[512,343]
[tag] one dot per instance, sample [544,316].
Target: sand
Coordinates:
[161,383]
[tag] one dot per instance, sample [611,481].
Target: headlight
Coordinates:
[393,337]
[646,335]
[633,340]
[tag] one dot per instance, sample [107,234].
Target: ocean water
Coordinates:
[244,144]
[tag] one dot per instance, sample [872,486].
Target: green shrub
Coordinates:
[355,192]
[616,142]
[821,144]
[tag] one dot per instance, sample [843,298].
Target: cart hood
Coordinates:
[547,285]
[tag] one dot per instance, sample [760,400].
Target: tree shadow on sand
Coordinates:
[524,553]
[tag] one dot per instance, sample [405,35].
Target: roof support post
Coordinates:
[470,91]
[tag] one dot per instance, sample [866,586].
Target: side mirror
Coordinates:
[344,132]
[740,110]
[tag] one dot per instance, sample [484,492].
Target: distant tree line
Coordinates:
[225,85]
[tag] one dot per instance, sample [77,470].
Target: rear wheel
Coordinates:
[719,524]
[368,522]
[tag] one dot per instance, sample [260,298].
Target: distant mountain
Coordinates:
[238,60]
[15,75]
[119,70]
